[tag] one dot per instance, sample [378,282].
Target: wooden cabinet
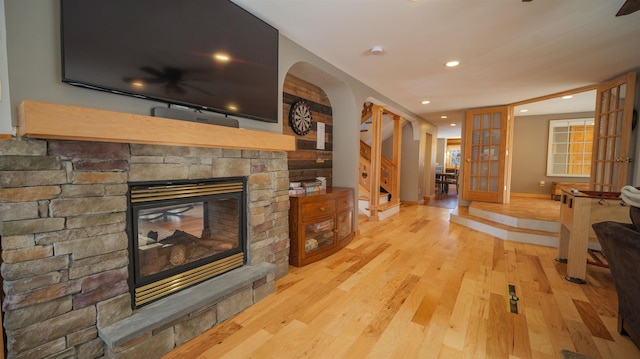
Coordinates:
[320,224]
[578,212]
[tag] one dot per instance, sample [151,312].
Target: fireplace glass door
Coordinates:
[176,235]
[181,231]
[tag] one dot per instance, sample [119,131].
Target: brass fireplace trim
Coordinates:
[158,193]
[161,288]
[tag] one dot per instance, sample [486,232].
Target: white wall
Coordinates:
[5,102]
[441,152]
[410,185]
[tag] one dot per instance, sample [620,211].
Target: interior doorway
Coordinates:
[446,189]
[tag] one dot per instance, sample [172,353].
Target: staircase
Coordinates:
[379,174]
[385,207]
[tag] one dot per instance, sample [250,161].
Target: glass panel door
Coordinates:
[614,111]
[485,150]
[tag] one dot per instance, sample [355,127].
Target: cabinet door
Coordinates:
[318,235]
[345,224]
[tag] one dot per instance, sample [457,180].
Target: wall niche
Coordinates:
[309,161]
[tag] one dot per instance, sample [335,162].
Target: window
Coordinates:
[452,156]
[570,145]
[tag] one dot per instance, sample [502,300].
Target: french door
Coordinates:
[486,149]
[613,124]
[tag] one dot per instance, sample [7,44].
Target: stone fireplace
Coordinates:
[183,233]
[65,244]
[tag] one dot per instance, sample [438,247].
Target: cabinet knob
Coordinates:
[322,209]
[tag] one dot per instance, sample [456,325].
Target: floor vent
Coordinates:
[513,299]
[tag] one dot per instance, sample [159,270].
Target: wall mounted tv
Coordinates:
[202,54]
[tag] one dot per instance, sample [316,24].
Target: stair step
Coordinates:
[385,210]
[515,221]
[384,198]
[504,231]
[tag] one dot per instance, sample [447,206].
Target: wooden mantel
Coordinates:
[64,122]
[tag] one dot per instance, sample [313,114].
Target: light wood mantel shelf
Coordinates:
[64,122]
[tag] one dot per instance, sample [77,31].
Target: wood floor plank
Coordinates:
[553,316]
[538,274]
[289,340]
[566,307]
[582,339]
[434,336]
[498,330]
[426,309]
[250,345]
[458,324]
[539,334]
[409,343]
[388,323]
[519,336]
[592,320]
[419,286]
[475,343]
[450,353]
[498,255]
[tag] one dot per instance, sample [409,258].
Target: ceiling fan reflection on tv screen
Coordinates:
[172,79]
[205,55]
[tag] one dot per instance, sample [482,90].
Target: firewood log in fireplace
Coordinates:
[180,248]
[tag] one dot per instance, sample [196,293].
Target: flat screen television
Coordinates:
[203,54]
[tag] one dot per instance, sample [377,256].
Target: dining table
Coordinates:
[443,179]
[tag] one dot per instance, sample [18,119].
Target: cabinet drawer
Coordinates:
[345,203]
[320,208]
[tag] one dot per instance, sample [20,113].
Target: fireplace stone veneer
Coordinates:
[64,246]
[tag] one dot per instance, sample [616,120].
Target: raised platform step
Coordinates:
[493,220]
[536,224]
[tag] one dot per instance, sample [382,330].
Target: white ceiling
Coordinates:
[509,50]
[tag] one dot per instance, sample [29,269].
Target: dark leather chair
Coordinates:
[621,246]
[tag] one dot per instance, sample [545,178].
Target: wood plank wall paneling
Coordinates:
[308,162]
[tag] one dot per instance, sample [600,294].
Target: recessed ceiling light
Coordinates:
[425,102]
[453,63]
[443,116]
[566,97]
[221,57]
[377,50]
[524,110]
[453,125]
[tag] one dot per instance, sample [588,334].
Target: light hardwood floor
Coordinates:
[418,286]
